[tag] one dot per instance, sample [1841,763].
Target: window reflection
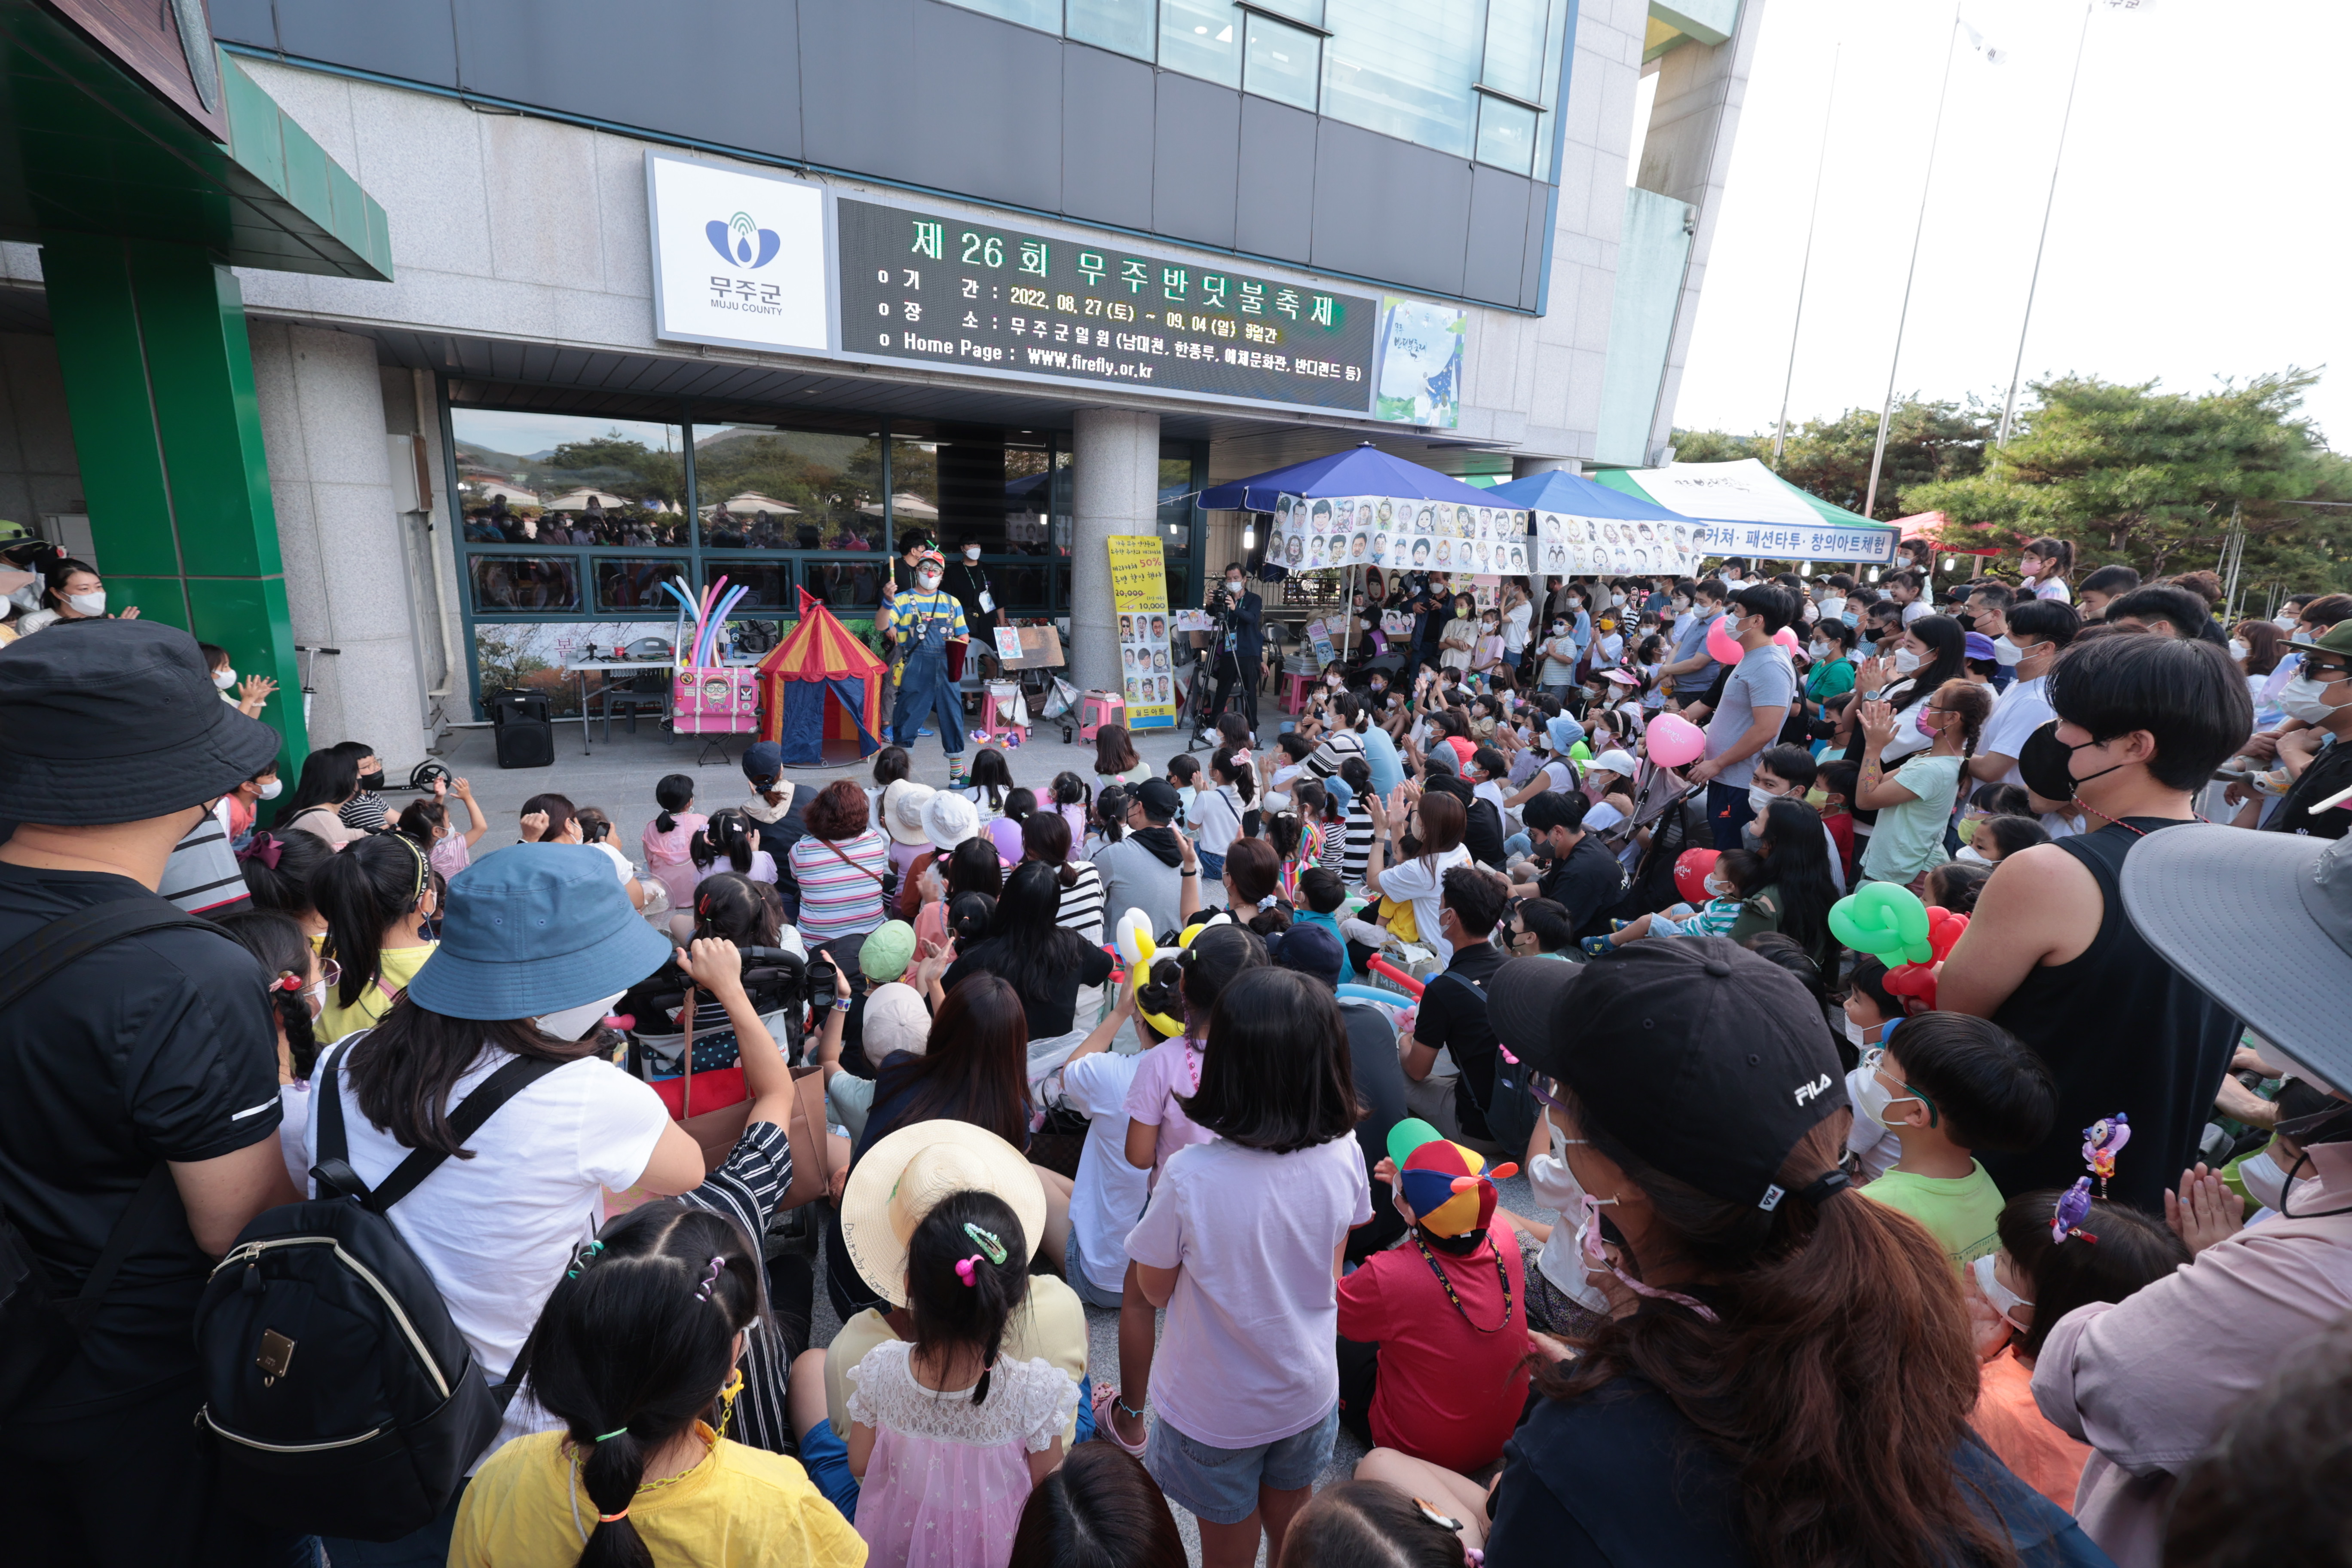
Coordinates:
[525,582]
[771,582]
[1403,72]
[761,488]
[634,582]
[554,478]
[1201,37]
[852,585]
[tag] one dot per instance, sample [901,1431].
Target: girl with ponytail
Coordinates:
[297,989]
[1046,838]
[376,898]
[1786,1373]
[668,839]
[946,1435]
[637,1353]
[277,867]
[1221,812]
[2045,564]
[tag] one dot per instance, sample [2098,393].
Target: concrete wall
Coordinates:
[1651,260]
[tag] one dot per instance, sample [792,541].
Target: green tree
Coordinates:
[615,463]
[2153,479]
[1926,443]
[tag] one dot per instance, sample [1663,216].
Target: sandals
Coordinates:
[1105,1402]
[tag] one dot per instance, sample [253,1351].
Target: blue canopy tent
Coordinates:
[1364,470]
[1579,497]
[1583,528]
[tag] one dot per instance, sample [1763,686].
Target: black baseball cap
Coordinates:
[117,721]
[1160,801]
[1708,1061]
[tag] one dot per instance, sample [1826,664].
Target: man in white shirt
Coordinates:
[2040,629]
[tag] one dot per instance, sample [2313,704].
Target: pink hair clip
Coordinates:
[967,1271]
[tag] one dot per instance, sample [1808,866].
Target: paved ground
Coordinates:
[619,778]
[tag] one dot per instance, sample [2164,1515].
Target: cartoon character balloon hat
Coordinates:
[1890,925]
[1136,946]
[2074,1208]
[1450,1188]
[2101,1141]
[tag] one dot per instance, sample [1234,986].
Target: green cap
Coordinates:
[886,953]
[1408,1135]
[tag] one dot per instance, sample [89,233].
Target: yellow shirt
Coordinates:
[741,1507]
[1051,1326]
[400,965]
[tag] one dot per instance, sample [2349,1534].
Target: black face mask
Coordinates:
[2046,764]
[372,781]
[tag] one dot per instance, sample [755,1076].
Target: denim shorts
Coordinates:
[826,1457]
[1220,1484]
[1212,867]
[1074,1270]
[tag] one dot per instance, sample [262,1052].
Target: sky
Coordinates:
[2198,230]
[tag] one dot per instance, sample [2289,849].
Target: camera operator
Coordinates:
[1239,649]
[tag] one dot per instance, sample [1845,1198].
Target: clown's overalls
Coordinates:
[925,624]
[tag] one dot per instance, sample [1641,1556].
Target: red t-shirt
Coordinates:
[1447,1392]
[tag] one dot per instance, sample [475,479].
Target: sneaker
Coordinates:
[1598,946]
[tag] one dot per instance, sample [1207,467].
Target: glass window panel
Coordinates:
[770,581]
[634,582]
[1044,15]
[1506,134]
[540,584]
[854,584]
[1024,588]
[526,479]
[1281,61]
[1515,48]
[759,488]
[1404,70]
[1308,11]
[914,490]
[1555,40]
[1203,38]
[1122,24]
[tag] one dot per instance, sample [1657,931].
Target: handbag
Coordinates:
[725,1110]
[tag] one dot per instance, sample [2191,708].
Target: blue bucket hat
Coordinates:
[533,930]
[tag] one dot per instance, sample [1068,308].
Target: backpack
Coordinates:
[340,1397]
[40,1332]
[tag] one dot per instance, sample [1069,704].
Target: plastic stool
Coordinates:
[1097,708]
[988,717]
[1294,686]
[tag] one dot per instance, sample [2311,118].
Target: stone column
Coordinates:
[346,572]
[1524,468]
[1114,488]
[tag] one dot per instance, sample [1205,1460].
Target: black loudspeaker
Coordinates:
[521,729]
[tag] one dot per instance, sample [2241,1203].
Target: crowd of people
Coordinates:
[2027,1246]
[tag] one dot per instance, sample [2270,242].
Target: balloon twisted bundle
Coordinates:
[1890,925]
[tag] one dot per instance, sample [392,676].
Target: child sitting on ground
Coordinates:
[1735,875]
[2031,1283]
[1322,896]
[1184,772]
[1946,1085]
[1433,1335]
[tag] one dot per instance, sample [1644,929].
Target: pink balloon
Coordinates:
[1721,646]
[1673,740]
[1787,638]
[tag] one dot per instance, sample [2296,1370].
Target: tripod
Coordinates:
[1217,667]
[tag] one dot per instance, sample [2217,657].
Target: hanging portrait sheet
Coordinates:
[1397,533]
[1569,546]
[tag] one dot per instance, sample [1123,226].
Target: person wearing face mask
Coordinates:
[1749,717]
[923,622]
[2150,1381]
[2050,955]
[2316,758]
[1240,651]
[1579,617]
[1558,653]
[2039,630]
[968,580]
[1518,616]
[329,779]
[70,591]
[250,695]
[1695,606]
[365,812]
[244,802]
[138,1081]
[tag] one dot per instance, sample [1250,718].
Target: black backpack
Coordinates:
[40,1330]
[341,1398]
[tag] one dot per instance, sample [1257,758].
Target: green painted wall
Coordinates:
[159,388]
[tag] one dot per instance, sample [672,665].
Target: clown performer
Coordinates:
[920,623]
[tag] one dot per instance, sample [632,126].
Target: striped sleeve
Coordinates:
[841,894]
[747,1189]
[1081,909]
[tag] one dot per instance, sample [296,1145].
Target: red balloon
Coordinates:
[1913,980]
[1691,867]
[1944,929]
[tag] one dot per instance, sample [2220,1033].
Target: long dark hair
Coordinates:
[285,955]
[632,1348]
[1101,1508]
[1799,862]
[404,1068]
[286,886]
[1025,947]
[1114,750]
[1842,1440]
[329,779]
[975,1065]
[1237,773]
[674,794]
[1046,836]
[1950,644]
[371,884]
[990,773]
[560,813]
[1363,1522]
[950,1311]
[728,833]
[974,867]
[731,905]
[1276,1071]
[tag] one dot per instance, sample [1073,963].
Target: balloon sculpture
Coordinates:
[1136,946]
[1890,925]
[2073,1208]
[2101,1141]
[1672,740]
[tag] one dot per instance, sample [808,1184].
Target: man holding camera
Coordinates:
[1239,651]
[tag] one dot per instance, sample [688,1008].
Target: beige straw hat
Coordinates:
[903,1177]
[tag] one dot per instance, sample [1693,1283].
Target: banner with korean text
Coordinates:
[1138,597]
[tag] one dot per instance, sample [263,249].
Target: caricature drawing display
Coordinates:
[1389,531]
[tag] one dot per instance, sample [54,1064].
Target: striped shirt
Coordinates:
[841,885]
[1331,856]
[1333,753]
[747,1189]
[203,876]
[1358,851]
[366,812]
[1081,909]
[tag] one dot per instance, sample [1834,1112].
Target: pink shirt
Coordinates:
[1168,1069]
[666,856]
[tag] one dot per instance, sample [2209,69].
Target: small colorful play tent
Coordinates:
[821,684]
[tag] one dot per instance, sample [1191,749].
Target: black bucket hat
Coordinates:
[117,721]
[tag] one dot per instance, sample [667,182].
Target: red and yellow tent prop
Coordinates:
[821,684]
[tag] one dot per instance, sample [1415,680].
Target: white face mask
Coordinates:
[1760,799]
[2305,699]
[2006,652]
[972,553]
[318,995]
[2283,623]
[1857,1033]
[1968,853]
[1818,648]
[1870,1098]
[224,678]
[271,790]
[1333,681]
[1716,887]
[88,604]
[1233,585]
[573,1021]
[928,581]
[1616,598]
[2004,1300]
[2264,1180]
[1906,661]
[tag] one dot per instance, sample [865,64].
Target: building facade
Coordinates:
[716,289]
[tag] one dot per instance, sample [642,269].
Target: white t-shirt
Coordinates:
[1914,610]
[2056,588]
[1217,813]
[1423,884]
[1516,621]
[497,1231]
[2018,711]
[1108,1196]
[1492,791]
[620,866]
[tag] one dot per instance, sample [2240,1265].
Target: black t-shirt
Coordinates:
[1053,1012]
[159,1046]
[1454,1014]
[1587,882]
[1379,1086]
[2330,773]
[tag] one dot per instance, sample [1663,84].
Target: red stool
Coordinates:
[1097,708]
[988,712]
[1294,686]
